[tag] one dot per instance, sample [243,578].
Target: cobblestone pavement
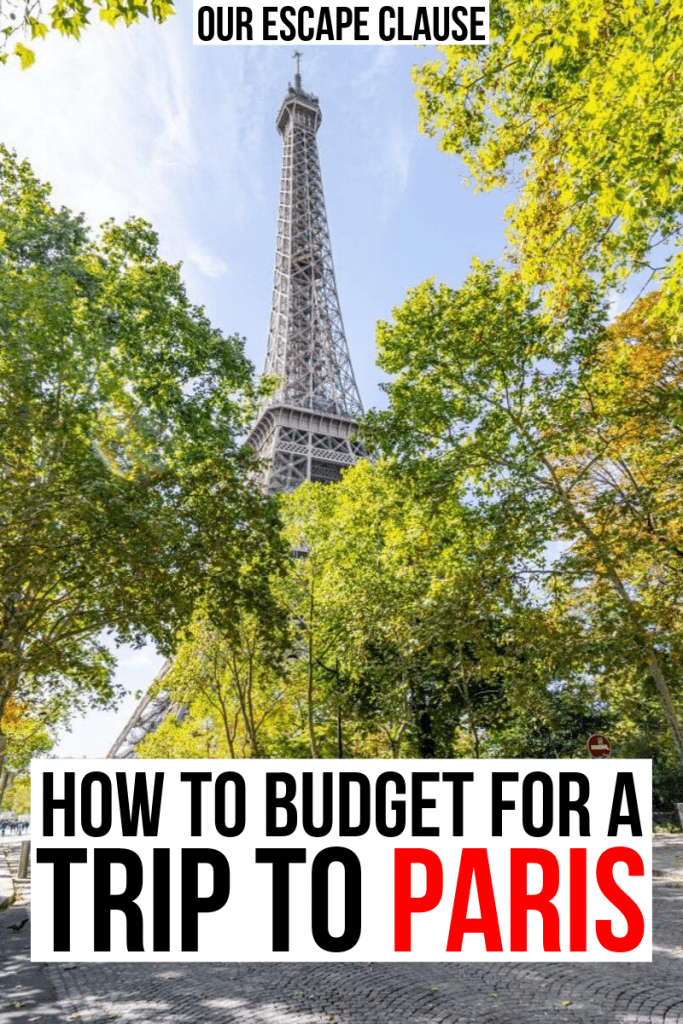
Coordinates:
[495,993]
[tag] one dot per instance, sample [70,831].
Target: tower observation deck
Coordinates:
[306,429]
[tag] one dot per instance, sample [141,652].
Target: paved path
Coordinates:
[355,993]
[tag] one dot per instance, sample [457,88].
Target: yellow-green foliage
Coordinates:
[577,106]
[70,18]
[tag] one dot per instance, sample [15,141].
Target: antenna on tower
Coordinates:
[297,77]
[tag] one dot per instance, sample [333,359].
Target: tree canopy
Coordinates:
[410,633]
[565,434]
[125,494]
[575,105]
[517,383]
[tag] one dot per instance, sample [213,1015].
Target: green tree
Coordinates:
[32,19]
[27,735]
[124,492]
[28,731]
[352,610]
[576,105]
[414,632]
[18,794]
[232,687]
[521,412]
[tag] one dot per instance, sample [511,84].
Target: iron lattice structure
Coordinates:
[306,429]
[147,717]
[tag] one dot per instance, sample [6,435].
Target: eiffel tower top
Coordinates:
[305,100]
[298,91]
[304,428]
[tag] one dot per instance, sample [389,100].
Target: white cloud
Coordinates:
[109,122]
[135,658]
[206,262]
[374,76]
[399,153]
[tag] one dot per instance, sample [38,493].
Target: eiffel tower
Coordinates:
[306,429]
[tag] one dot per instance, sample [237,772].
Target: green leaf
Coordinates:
[38,28]
[27,57]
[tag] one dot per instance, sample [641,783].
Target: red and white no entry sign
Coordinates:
[599,746]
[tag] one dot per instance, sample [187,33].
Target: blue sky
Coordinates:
[141,122]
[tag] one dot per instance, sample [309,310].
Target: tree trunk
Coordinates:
[4,779]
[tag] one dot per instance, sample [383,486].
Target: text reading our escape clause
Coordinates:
[316,23]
